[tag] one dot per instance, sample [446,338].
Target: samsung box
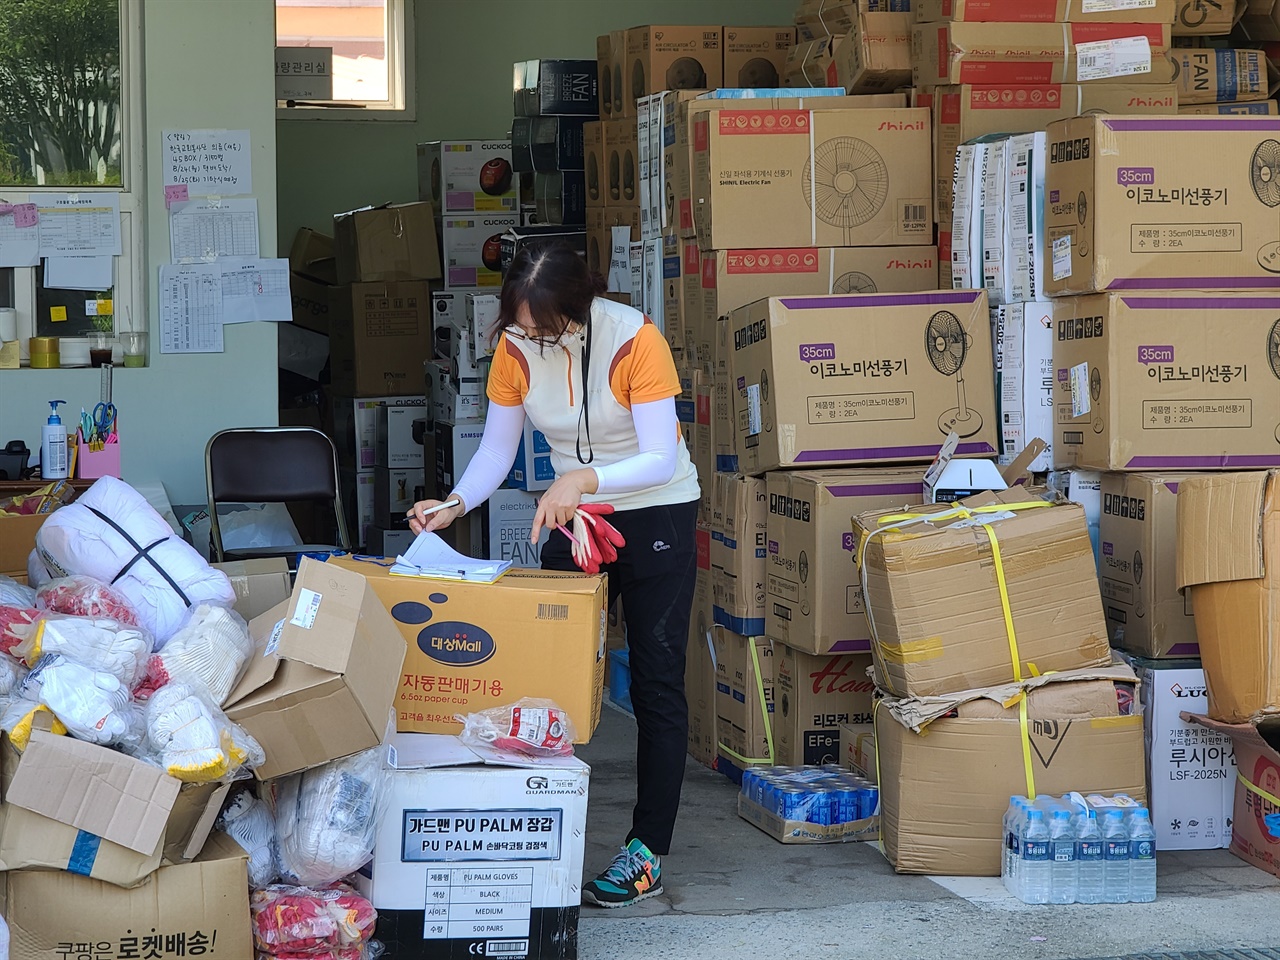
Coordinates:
[456,444]
[555,88]
[836,381]
[815,696]
[1167,381]
[738,552]
[477,858]
[1130,207]
[755,56]
[1146,613]
[814,598]
[532,470]
[472,249]
[472,646]
[468,176]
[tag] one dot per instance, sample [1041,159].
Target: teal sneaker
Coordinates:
[634,875]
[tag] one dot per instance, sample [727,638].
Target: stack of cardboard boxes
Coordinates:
[1222,76]
[554,99]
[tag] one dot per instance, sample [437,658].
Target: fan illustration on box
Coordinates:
[947,345]
[846,183]
[1273,358]
[1264,177]
[593,178]
[854,282]
[617,90]
[629,175]
[615,175]
[758,72]
[606,92]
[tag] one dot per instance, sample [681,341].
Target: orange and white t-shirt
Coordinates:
[630,363]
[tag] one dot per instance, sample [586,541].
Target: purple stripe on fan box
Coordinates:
[849,646]
[1201,303]
[1224,462]
[1198,123]
[876,489]
[924,451]
[1194,283]
[881,300]
[1184,650]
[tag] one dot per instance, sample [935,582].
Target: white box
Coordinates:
[1024,366]
[532,470]
[644,113]
[1024,210]
[355,428]
[1191,770]
[481,318]
[993,223]
[508,523]
[655,204]
[451,399]
[449,309]
[478,860]
[966,242]
[468,176]
[471,246]
[456,444]
[393,435]
[364,485]
[381,542]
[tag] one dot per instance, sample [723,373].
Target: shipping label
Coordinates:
[1110,6]
[1062,258]
[1124,57]
[1197,414]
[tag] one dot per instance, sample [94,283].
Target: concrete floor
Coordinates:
[732,891]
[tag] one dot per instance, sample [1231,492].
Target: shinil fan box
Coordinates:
[848,380]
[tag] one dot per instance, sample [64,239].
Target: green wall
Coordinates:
[465,49]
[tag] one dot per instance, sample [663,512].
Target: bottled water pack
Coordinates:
[1077,849]
[826,796]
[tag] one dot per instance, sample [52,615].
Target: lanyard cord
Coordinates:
[584,415]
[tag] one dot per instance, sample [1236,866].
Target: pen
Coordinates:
[439,507]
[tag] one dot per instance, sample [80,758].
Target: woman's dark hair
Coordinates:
[554,282]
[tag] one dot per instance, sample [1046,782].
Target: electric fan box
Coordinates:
[814,598]
[754,57]
[851,380]
[876,56]
[1024,372]
[834,18]
[1221,76]
[670,58]
[1031,53]
[468,176]
[812,63]
[1252,108]
[1167,381]
[738,533]
[1156,203]
[1045,11]
[812,178]
[621,164]
[937,603]
[745,701]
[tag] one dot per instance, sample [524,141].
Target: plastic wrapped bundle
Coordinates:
[11,676]
[19,716]
[192,740]
[103,646]
[535,728]
[93,706]
[86,597]
[15,594]
[112,534]
[37,573]
[13,620]
[208,653]
[327,818]
[299,922]
[248,822]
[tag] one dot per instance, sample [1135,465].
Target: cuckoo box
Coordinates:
[472,646]
[815,696]
[812,178]
[814,601]
[1146,614]
[1167,381]
[1044,11]
[1132,204]
[937,593]
[468,176]
[836,381]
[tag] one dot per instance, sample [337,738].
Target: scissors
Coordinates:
[99,429]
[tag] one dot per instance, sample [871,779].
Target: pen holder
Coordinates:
[94,464]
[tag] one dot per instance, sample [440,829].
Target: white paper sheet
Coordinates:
[209,162]
[19,246]
[208,229]
[255,290]
[79,273]
[430,557]
[79,224]
[191,308]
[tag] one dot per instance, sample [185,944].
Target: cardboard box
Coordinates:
[1040,11]
[259,584]
[1076,738]
[1191,769]
[700,666]
[393,432]
[508,516]
[1218,76]
[802,831]
[940,576]
[1207,18]
[1228,530]
[1146,614]
[744,700]
[602,232]
[551,88]
[738,552]
[561,198]
[523,828]
[1175,381]
[671,58]
[203,906]
[395,491]
[382,542]
[812,63]
[861,391]
[381,334]
[604,74]
[468,176]
[756,56]
[1256,108]
[472,249]
[814,601]
[312,303]
[17,540]
[805,201]
[815,696]
[594,161]
[392,242]
[622,164]
[1145,213]
[548,144]
[858,749]
[530,634]
[1035,53]
[323,687]
[1261,20]
[1024,372]
[876,56]
[702,446]
[312,256]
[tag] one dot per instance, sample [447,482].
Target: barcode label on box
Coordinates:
[913,217]
[553,611]
[304,614]
[1126,57]
[1062,258]
[501,948]
[1110,6]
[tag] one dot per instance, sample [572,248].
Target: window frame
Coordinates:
[400,79]
[129,293]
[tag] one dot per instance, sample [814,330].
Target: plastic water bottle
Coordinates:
[1009,842]
[1142,858]
[1064,867]
[1090,859]
[1116,857]
[1034,866]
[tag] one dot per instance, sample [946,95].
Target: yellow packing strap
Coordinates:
[1254,788]
[1026,746]
[764,713]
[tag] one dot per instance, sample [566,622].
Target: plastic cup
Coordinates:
[135,348]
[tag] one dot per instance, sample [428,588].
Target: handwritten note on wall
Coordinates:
[209,162]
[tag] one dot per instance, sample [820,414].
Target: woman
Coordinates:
[597,378]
